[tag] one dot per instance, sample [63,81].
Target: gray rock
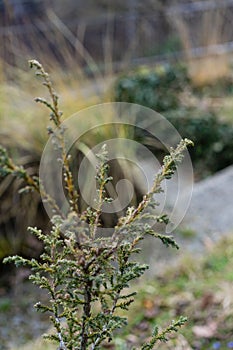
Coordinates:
[211,208]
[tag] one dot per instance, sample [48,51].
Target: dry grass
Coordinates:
[208,69]
[206,30]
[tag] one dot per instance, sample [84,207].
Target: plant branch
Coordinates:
[55,116]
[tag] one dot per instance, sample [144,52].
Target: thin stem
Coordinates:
[99,207]
[56,118]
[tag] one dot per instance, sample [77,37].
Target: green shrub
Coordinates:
[212,137]
[87,276]
[154,88]
[159,89]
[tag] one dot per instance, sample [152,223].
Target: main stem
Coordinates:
[86,312]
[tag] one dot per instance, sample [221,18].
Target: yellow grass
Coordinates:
[208,69]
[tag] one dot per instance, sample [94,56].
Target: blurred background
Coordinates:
[175,57]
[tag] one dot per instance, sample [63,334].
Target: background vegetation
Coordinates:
[169,90]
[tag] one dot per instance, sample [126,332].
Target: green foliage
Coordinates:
[213,138]
[173,327]
[157,89]
[87,276]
